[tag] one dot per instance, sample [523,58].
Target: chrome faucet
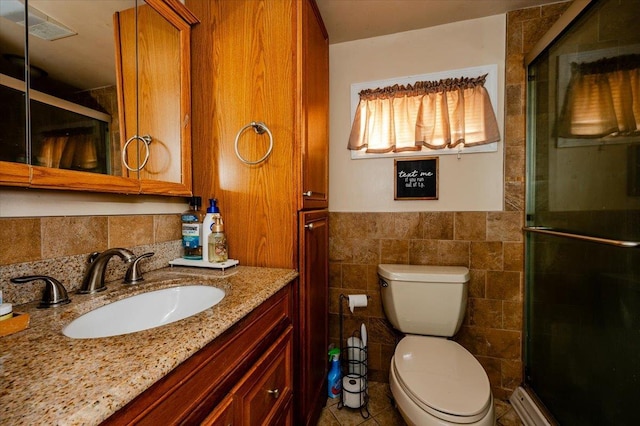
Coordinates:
[93,281]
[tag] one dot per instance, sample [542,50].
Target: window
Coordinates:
[442,113]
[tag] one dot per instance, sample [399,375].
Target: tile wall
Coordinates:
[490,244]
[60,246]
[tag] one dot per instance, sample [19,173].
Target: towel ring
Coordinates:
[147,140]
[259,128]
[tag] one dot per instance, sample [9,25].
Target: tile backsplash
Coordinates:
[60,247]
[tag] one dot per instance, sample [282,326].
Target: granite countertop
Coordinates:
[48,378]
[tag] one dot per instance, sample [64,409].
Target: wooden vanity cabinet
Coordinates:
[243,377]
[268,61]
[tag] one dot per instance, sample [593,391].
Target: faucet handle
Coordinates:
[54,293]
[134,275]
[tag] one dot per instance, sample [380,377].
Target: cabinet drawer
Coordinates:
[266,391]
[222,415]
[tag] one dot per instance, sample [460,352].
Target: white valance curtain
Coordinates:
[603,98]
[434,114]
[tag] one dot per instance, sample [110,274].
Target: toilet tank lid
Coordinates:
[424,273]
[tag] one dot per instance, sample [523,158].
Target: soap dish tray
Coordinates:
[204,264]
[14,324]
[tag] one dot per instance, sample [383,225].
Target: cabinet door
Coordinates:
[315,99]
[312,324]
[265,393]
[154,97]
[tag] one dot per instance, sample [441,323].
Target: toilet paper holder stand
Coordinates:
[355,387]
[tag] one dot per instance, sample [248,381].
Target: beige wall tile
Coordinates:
[21,240]
[534,29]
[394,251]
[379,225]
[437,225]
[453,253]
[513,256]
[365,251]
[514,133]
[485,313]
[490,342]
[66,236]
[503,285]
[511,373]
[423,252]
[407,225]
[372,278]
[504,226]
[512,315]
[486,255]
[477,283]
[335,275]
[354,276]
[167,227]
[514,163]
[471,226]
[514,196]
[340,249]
[130,231]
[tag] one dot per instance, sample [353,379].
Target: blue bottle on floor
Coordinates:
[335,377]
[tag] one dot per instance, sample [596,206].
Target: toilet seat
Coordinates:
[442,378]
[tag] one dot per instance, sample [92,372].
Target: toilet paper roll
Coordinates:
[357,301]
[353,391]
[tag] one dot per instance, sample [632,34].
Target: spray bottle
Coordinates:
[334,378]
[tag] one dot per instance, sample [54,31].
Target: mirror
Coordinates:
[73,104]
[13,145]
[94,83]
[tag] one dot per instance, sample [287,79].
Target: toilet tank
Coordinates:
[424,299]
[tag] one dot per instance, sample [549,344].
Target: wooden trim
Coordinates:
[50,178]
[169,8]
[14,174]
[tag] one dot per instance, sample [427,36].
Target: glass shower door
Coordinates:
[582,272]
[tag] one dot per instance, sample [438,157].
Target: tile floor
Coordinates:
[383,413]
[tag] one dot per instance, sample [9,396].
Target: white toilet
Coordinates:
[434,381]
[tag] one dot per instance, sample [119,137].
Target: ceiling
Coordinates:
[348,20]
[86,60]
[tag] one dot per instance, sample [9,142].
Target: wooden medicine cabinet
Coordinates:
[109,72]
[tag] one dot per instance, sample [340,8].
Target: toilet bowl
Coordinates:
[434,380]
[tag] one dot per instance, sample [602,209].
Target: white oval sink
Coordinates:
[144,311]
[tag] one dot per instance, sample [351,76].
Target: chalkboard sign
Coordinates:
[416,179]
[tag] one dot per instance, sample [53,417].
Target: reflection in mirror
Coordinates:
[73,101]
[13,141]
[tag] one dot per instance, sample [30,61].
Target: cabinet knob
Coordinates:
[274,392]
[309,226]
[307,194]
